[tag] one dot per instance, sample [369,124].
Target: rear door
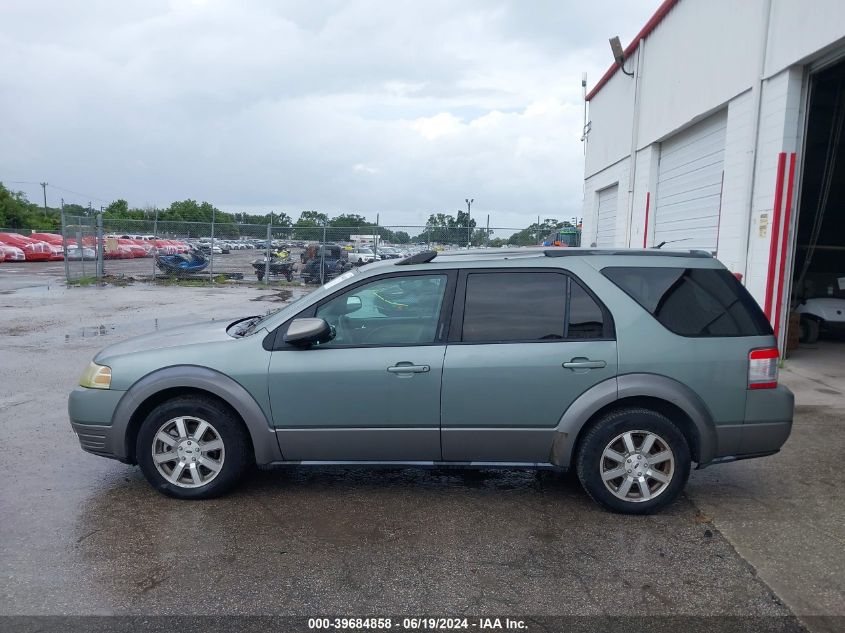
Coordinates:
[523,346]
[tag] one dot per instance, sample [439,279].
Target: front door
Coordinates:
[526,345]
[373,392]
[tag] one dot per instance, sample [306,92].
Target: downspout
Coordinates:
[635,129]
[752,152]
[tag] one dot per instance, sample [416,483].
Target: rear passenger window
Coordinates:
[528,306]
[699,302]
[585,315]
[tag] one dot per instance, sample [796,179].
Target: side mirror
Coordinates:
[307,332]
[353,304]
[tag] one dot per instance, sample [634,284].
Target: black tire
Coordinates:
[589,458]
[238,454]
[809,332]
[260,275]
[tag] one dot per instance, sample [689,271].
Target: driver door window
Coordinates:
[391,311]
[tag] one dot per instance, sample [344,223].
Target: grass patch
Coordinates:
[179,281]
[82,282]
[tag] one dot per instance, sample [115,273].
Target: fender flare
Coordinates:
[626,386]
[263,436]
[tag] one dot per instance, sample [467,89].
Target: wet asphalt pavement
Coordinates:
[82,535]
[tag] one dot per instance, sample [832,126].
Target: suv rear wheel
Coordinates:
[633,461]
[191,447]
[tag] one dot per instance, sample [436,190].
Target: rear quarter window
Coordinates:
[695,302]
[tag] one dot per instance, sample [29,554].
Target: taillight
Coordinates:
[763,368]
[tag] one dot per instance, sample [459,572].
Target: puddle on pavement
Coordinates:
[280,296]
[143,326]
[35,290]
[97,330]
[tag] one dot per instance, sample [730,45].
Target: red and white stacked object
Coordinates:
[54,241]
[11,253]
[33,250]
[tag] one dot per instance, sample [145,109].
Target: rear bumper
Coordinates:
[767,425]
[768,420]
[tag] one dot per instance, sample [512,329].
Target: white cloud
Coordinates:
[436,126]
[266,105]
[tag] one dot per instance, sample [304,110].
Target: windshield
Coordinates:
[250,326]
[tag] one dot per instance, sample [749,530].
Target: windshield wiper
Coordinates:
[242,326]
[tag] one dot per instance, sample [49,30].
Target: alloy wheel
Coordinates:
[637,466]
[188,452]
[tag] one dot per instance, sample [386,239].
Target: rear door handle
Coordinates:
[408,368]
[584,363]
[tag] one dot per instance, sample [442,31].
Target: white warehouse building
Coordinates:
[721,132]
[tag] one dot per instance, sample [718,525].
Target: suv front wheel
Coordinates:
[633,461]
[192,447]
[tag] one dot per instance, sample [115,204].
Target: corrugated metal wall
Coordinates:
[606,216]
[689,185]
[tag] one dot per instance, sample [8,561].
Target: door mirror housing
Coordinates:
[307,332]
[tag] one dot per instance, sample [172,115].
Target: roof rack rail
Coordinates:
[418,258]
[576,252]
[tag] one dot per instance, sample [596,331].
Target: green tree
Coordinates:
[313,218]
[345,225]
[437,229]
[119,208]
[75,209]
[281,219]
[309,225]
[16,212]
[535,233]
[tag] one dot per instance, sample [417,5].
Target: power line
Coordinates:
[84,195]
[76,193]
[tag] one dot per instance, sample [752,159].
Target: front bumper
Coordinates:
[90,412]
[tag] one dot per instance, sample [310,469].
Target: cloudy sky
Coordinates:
[401,108]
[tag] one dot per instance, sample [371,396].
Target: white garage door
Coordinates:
[606,216]
[689,185]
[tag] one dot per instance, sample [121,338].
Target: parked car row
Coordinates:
[40,247]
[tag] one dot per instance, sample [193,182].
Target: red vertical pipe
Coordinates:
[645,230]
[773,246]
[786,214]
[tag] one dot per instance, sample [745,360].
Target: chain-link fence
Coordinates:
[208,252]
[80,248]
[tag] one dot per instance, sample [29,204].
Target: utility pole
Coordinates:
[44,187]
[64,242]
[375,239]
[469,202]
[487,232]
[323,256]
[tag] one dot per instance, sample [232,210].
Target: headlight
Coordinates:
[96,377]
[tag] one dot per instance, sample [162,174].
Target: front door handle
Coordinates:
[584,363]
[408,368]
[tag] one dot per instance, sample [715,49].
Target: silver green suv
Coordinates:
[626,366]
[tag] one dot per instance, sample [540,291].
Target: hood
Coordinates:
[181,336]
